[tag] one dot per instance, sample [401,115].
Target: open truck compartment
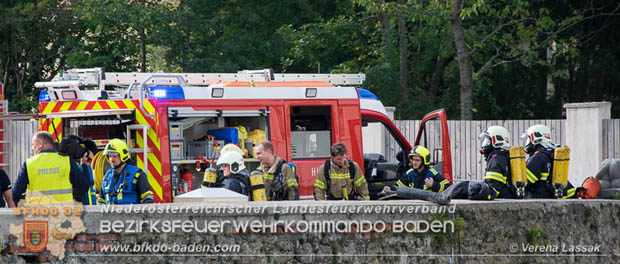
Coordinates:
[197,136]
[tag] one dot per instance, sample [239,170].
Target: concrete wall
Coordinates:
[486,232]
[584,135]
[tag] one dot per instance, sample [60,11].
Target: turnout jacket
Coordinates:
[415,179]
[339,179]
[539,177]
[280,185]
[497,174]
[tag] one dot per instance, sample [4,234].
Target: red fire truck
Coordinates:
[174,122]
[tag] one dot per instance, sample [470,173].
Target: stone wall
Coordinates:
[485,232]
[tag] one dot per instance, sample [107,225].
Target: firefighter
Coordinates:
[340,178]
[280,180]
[124,183]
[90,197]
[47,177]
[421,175]
[215,177]
[540,149]
[5,190]
[495,146]
[81,150]
[236,176]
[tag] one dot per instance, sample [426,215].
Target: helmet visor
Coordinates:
[109,151]
[413,155]
[486,141]
[112,153]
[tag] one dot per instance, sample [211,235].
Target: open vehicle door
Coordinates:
[387,160]
[384,165]
[433,134]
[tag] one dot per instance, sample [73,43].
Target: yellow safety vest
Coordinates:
[48,179]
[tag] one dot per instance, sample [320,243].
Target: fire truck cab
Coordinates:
[175,123]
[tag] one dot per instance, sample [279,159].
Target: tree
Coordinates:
[421,60]
[585,61]
[227,36]
[36,35]
[464,60]
[118,32]
[403,51]
[502,32]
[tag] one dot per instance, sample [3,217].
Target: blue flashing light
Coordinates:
[365,94]
[44,97]
[167,92]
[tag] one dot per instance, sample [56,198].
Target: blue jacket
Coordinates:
[415,179]
[90,197]
[238,182]
[130,186]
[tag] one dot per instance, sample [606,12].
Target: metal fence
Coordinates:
[467,163]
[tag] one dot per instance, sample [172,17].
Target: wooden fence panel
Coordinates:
[19,136]
[611,138]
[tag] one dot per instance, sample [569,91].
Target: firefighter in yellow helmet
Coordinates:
[540,149]
[47,177]
[124,183]
[421,175]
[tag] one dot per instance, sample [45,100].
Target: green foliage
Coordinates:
[593,227]
[536,235]
[227,36]
[586,215]
[156,60]
[27,104]
[339,44]
[115,31]
[35,35]
[441,238]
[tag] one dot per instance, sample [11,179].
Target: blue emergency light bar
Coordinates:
[365,94]
[166,92]
[44,96]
